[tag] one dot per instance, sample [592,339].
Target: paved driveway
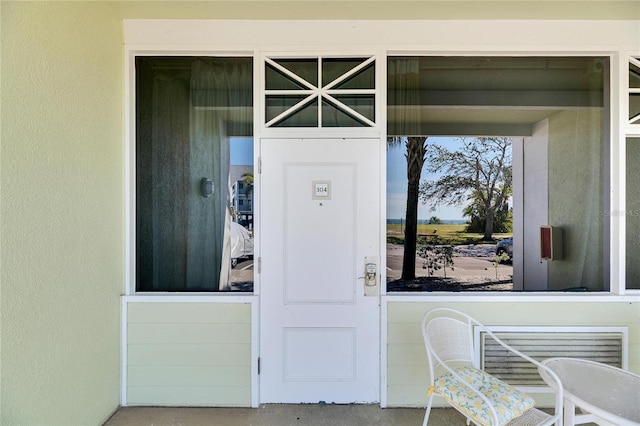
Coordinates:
[471,263]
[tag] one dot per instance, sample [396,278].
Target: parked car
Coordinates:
[241,243]
[505,247]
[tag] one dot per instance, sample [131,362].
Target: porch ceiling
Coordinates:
[498,96]
[465,120]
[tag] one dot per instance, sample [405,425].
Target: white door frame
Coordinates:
[375,131]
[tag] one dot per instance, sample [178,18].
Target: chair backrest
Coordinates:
[447,339]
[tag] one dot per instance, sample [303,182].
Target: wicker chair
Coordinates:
[482,398]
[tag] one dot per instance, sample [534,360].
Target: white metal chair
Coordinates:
[482,398]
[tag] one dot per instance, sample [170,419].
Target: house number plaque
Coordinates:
[321,190]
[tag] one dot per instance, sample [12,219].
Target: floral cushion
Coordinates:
[508,402]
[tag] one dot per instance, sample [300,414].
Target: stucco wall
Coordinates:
[62,226]
[62,220]
[534,212]
[632,213]
[576,197]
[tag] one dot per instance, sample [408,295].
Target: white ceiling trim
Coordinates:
[459,35]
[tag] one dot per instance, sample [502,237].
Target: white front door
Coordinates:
[319,332]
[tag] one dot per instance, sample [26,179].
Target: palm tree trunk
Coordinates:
[410,233]
[416,151]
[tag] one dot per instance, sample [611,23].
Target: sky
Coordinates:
[397,185]
[242,154]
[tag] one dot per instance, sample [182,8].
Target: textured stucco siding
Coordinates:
[577,199]
[632,214]
[62,213]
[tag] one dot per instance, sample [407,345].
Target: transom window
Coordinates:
[320,92]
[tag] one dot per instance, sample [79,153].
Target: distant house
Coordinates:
[242,195]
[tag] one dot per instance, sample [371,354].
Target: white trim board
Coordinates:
[405,35]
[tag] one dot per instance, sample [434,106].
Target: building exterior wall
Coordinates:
[577,167]
[531,274]
[62,225]
[62,213]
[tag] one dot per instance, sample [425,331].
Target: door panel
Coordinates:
[319,223]
[320,219]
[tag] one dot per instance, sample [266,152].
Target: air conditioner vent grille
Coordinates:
[605,347]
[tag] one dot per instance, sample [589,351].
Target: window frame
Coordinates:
[629,131]
[613,39]
[607,139]
[130,168]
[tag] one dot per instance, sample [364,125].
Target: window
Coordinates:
[632,214]
[632,210]
[320,92]
[192,116]
[550,115]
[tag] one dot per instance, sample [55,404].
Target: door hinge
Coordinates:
[258,365]
[259,165]
[259,264]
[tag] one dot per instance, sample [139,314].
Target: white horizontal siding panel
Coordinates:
[188,354]
[634,354]
[222,354]
[165,333]
[188,376]
[408,375]
[195,313]
[403,333]
[207,396]
[407,355]
[410,396]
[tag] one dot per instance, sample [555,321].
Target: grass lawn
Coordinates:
[440,234]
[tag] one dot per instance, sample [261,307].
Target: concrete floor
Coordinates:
[284,415]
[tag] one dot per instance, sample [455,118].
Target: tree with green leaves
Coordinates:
[247,179]
[435,220]
[502,219]
[480,171]
[416,154]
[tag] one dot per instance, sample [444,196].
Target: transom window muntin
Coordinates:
[320,92]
